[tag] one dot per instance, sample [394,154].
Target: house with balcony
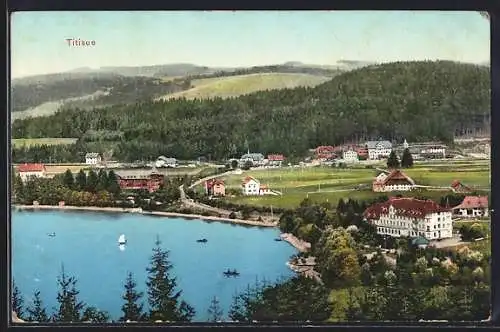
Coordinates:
[393,181]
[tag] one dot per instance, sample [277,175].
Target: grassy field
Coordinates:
[322,184]
[27,142]
[243,84]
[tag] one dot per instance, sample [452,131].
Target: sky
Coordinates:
[242,38]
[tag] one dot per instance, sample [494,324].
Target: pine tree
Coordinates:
[17,301]
[69,307]
[18,188]
[163,298]
[102,180]
[68,179]
[92,181]
[94,315]
[81,180]
[132,310]
[393,161]
[37,312]
[406,159]
[236,310]
[215,312]
[113,185]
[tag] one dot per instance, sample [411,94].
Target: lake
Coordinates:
[86,243]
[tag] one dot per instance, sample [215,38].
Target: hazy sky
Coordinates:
[222,38]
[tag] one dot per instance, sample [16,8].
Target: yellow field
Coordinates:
[232,86]
[27,142]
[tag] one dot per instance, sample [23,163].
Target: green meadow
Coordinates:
[329,184]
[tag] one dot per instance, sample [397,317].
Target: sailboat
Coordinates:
[121,239]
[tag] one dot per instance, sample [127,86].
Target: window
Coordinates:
[428,228]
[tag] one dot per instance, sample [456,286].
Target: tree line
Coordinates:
[93,189]
[427,101]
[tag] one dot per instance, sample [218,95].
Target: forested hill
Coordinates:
[414,100]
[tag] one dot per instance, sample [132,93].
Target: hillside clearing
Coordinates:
[28,142]
[232,86]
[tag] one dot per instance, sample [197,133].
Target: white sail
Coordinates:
[121,239]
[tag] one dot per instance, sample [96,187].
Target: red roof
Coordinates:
[248,179]
[323,149]
[31,168]
[404,206]
[275,157]
[396,176]
[218,181]
[471,202]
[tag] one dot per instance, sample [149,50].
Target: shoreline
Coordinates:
[299,245]
[140,211]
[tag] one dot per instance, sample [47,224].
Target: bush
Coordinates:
[232,215]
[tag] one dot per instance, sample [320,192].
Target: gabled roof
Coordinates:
[248,179]
[456,185]
[404,206]
[471,202]
[92,155]
[31,168]
[394,175]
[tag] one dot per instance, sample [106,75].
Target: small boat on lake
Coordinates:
[277,239]
[202,241]
[51,234]
[232,273]
[122,240]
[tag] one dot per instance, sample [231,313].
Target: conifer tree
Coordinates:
[18,188]
[68,179]
[17,301]
[102,180]
[406,159]
[164,299]
[69,309]
[236,310]
[215,312]
[393,161]
[81,180]
[37,312]
[113,186]
[132,309]
[92,181]
[94,315]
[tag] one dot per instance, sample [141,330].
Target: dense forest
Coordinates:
[412,100]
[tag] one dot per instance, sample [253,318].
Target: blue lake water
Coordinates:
[86,243]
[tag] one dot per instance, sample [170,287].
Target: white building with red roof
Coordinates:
[394,181]
[275,159]
[472,207]
[252,187]
[410,217]
[27,171]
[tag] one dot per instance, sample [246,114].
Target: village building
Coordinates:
[394,181]
[150,181]
[257,159]
[410,217]
[163,161]
[215,187]
[27,171]
[325,152]
[252,187]
[459,188]
[433,151]
[93,158]
[350,156]
[472,207]
[275,159]
[378,149]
